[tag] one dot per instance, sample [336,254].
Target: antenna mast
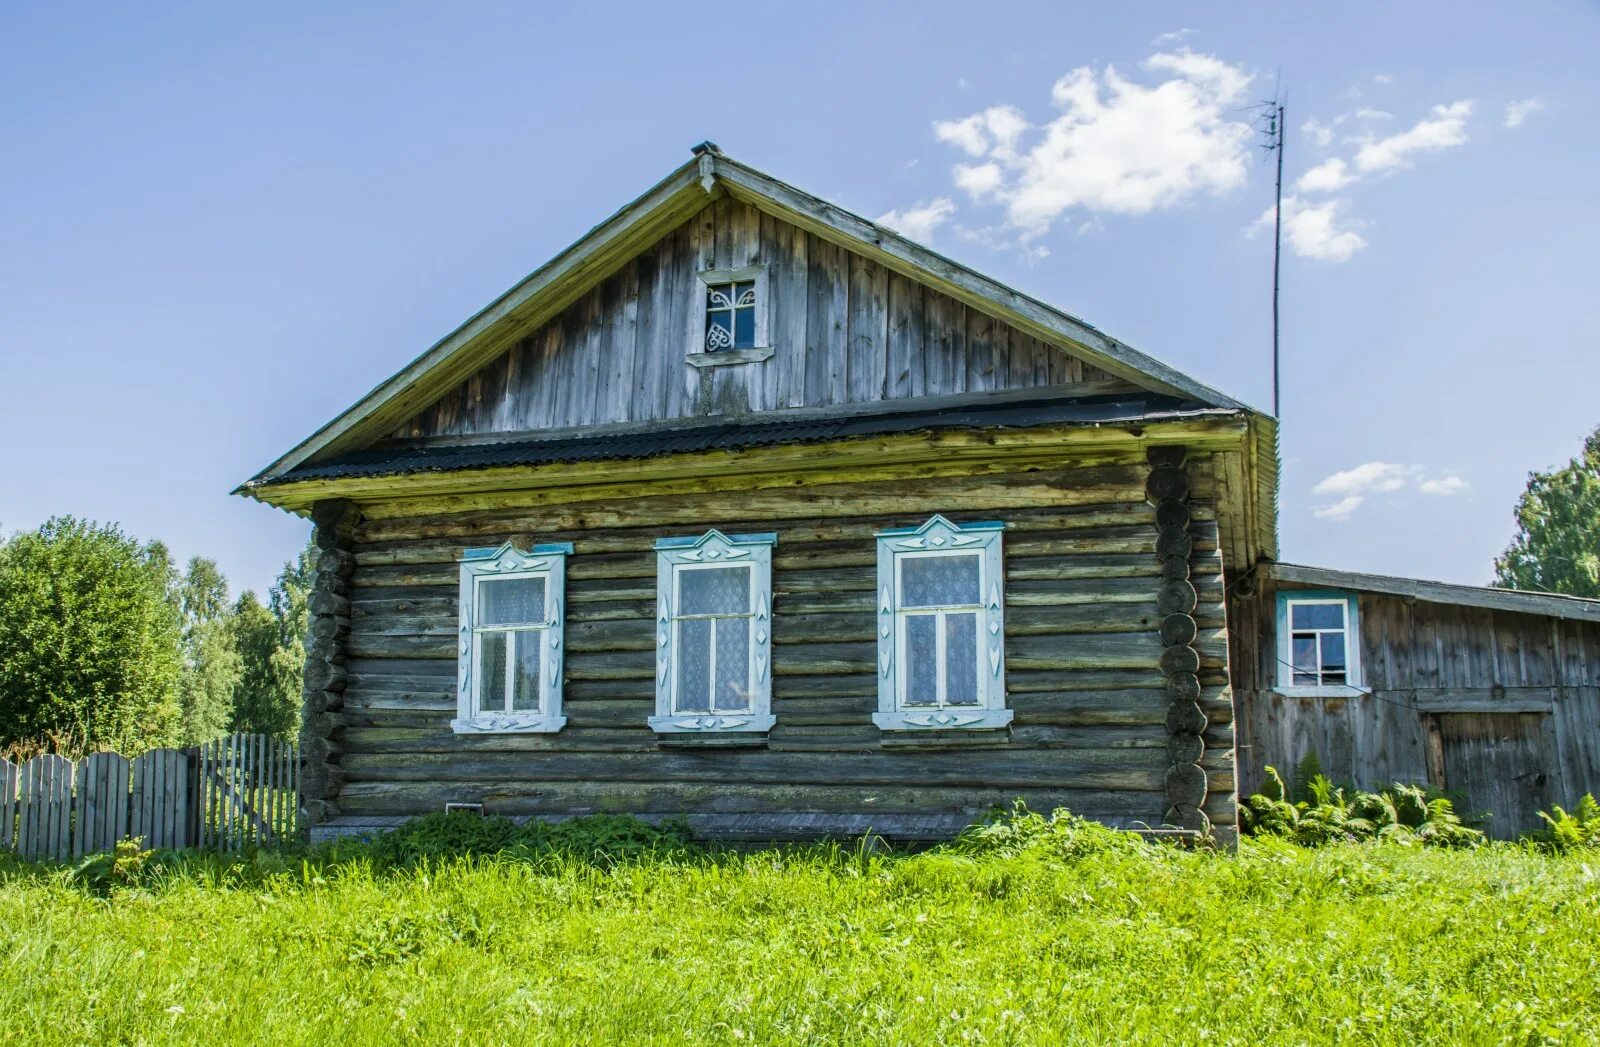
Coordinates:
[1275,139]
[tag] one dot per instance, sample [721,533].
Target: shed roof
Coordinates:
[1555,605]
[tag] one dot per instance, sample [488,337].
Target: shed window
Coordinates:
[713,633]
[509,654]
[941,633]
[1318,648]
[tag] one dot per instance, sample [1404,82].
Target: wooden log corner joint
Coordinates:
[1168,491]
[322,777]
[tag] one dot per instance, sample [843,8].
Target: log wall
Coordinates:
[843,329]
[1451,690]
[1085,572]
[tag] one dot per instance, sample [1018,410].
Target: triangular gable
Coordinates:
[610,246]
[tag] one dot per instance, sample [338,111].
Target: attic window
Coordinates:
[730,314]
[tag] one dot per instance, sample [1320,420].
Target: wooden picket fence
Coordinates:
[238,791]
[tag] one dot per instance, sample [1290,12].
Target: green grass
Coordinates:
[1052,942]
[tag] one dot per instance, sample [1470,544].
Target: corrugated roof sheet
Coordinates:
[757,431]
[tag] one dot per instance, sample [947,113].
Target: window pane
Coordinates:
[733,665]
[1316,616]
[719,330]
[961,659]
[719,296]
[1303,653]
[938,581]
[1333,653]
[922,660]
[744,329]
[714,590]
[744,293]
[511,601]
[693,658]
[525,671]
[492,672]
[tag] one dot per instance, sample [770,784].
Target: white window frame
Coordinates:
[699,356]
[1355,681]
[939,537]
[548,562]
[714,549]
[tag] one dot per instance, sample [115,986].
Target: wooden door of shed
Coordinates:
[1499,763]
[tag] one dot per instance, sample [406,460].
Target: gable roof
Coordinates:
[1554,605]
[609,245]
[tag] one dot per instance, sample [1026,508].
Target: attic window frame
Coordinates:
[698,355]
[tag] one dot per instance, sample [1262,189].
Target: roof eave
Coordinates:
[1516,601]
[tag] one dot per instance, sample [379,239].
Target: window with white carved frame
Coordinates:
[714,634]
[941,627]
[1319,649]
[509,643]
[729,321]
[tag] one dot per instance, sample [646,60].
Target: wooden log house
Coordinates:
[747,510]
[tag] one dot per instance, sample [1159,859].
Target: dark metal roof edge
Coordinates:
[737,433]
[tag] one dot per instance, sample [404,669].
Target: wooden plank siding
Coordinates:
[1430,666]
[1082,653]
[845,330]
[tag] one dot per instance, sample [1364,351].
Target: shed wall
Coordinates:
[1082,651]
[1431,668]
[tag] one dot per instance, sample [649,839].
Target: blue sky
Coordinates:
[220,226]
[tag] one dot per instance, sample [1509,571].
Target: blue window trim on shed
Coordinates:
[549,563]
[1355,671]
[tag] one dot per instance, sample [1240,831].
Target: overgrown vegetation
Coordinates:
[1028,929]
[1317,812]
[104,644]
[1570,832]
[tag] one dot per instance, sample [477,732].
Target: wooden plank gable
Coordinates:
[845,329]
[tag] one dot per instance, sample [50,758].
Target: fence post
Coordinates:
[8,803]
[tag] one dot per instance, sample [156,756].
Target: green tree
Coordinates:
[1557,545]
[271,644]
[211,662]
[88,637]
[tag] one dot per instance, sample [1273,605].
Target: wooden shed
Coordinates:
[1491,694]
[748,510]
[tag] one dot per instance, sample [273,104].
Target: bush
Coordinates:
[1565,832]
[1061,835]
[1407,814]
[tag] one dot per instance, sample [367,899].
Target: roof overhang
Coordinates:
[608,246]
[1554,605]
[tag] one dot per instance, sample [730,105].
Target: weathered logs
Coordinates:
[1185,781]
[321,775]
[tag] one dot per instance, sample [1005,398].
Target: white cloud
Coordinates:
[919,221]
[1173,37]
[1116,146]
[963,83]
[1339,510]
[1367,478]
[1445,486]
[1383,79]
[1444,129]
[1320,133]
[1516,112]
[1373,114]
[1327,177]
[1313,230]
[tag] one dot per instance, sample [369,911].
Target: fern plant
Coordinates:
[1569,832]
[1323,813]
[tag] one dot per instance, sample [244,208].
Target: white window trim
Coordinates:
[675,555]
[542,561]
[940,537]
[762,350]
[1355,679]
